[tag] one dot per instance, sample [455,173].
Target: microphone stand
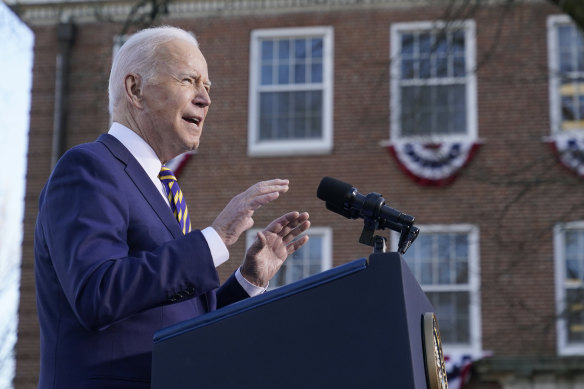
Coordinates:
[408,233]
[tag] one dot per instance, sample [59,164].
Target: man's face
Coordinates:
[176,101]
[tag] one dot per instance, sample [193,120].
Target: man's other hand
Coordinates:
[272,246]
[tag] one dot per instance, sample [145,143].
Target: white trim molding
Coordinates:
[283,147]
[469,80]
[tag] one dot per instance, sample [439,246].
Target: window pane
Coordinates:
[441,45]
[284,49]
[314,114]
[565,36]
[267,75]
[267,50]
[458,42]
[573,306]
[315,248]
[407,44]
[299,73]
[425,44]
[443,257]
[452,312]
[300,49]
[574,251]
[266,115]
[565,58]
[316,73]
[458,67]
[290,115]
[316,47]
[433,110]
[304,262]
[409,102]
[575,315]
[442,67]
[294,272]
[570,54]
[407,69]
[424,68]
[283,74]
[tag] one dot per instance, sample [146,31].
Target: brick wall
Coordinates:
[513,190]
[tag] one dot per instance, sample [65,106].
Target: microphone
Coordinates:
[344,199]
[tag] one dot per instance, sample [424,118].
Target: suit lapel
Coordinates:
[143,183]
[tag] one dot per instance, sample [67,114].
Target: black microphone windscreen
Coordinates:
[334,191]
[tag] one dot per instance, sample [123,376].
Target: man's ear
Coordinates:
[133,88]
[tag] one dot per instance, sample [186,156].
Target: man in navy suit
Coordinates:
[112,264]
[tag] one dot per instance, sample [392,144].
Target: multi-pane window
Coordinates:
[312,258]
[290,91]
[433,83]
[566,57]
[569,257]
[444,260]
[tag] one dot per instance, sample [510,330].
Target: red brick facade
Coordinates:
[514,190]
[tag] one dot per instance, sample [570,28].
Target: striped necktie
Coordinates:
[178,204]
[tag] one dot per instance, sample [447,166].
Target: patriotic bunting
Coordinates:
[569,147]
[433,163]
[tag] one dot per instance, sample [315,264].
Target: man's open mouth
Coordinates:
[193,120]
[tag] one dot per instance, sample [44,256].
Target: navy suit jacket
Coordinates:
[112,266]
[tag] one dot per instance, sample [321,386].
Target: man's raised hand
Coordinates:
[236,217]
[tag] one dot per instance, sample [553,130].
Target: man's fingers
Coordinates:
[277,225]
[290,222]
[258,201]
[263,187]
[295,245]
[262,241]
[296,231]
[265,191]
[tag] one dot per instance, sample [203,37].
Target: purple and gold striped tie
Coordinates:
[178,204]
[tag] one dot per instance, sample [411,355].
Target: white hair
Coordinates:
[138,55]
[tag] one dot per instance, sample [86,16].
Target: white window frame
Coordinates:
[473,287]
[326,233]
[563,347]
[469,28]
[553,22]
[298,146]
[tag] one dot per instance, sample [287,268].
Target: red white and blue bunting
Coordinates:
[433,163]
[569,147]
[459,368]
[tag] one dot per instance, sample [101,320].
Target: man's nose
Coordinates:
[202,98]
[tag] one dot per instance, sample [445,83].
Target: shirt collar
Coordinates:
[139,149]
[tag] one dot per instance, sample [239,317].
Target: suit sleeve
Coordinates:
[85,218]
[231,291]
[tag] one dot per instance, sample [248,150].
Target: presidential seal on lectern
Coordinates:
[434,357]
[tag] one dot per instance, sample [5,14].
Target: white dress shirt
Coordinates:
[149,161]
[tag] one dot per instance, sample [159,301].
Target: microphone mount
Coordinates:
[373,222]
[345,200]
